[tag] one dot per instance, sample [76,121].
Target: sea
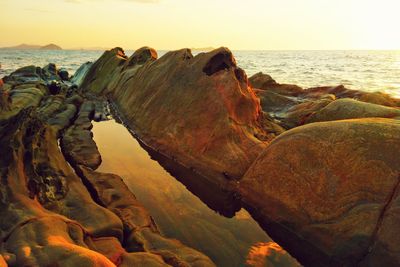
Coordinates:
[377,70]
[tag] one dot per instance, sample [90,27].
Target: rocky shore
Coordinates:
[318,168]
[56,210]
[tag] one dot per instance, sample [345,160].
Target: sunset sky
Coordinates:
[173,24]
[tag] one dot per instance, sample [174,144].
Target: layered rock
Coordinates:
[266,83]
[80,73]
[52,214]
[326,191]
[77,141]
[294,106]
[42,198]
[199,110]
[347,108]
[342,92]
[329,191]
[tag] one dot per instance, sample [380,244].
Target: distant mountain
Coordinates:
[23,47]
[50,47]
[33,47]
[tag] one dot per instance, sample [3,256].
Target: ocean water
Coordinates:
[362,70]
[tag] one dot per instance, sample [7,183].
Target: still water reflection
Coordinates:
[236,241]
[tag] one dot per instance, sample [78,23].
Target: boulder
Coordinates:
[50,72]
[141,56]
[273,102]
[299,114]
[63,73]
[23,97]
[261,80]
[28,74]
[330,192]
[293,106]
[380,99]
[346,108]
[80,73]
[343,92]
[265,82]
[338,91]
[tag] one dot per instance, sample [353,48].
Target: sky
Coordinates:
[174,24]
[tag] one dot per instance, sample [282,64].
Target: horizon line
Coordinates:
[206,48]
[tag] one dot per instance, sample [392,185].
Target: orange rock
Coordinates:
[329,191]
[141,233]
[2,262]
[50,216]
[53,240]
[198,110]
[346,108]
[269,254]
[342,92]
[265,82]
[109,247]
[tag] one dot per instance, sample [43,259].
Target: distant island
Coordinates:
[33,47]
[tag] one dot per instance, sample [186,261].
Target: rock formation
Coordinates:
[55,208]
[198,110]
[326,191]
[331,188]
[80,74]
[318,168]
[294,106]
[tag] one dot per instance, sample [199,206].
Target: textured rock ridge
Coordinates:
[199,110]
[327,191]
[54,208]
[318,168]
[293,106]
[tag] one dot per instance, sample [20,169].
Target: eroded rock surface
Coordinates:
[55,210]
[199,110]
[294,106]
[347,108]
[327,191]
[332,188]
